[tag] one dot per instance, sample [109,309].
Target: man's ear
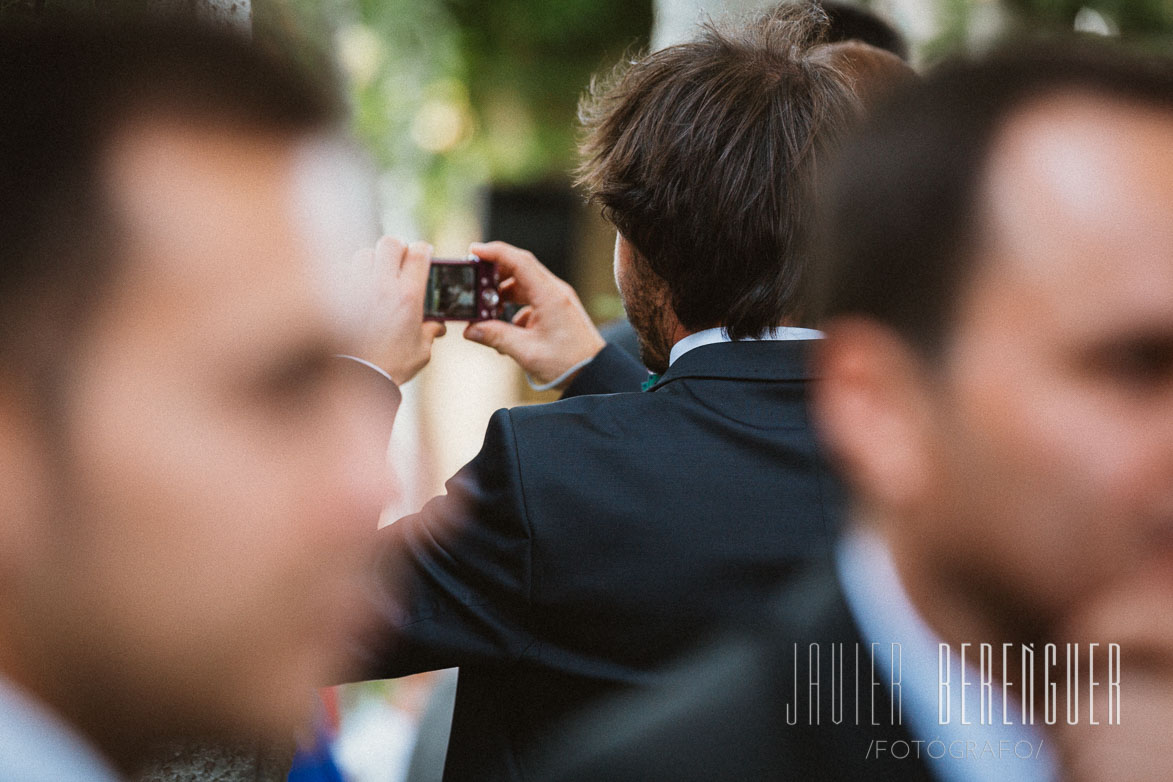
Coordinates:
[872,407]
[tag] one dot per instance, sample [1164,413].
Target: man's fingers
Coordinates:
[389,252]
[413,274]
[529,275]
[522,316]
[434,329]
[505,288]
[497,334]
[506,255]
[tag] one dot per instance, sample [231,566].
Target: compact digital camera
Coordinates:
[462,289]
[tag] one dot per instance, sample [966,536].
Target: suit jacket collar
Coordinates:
[871,588]
[814,609]
[765,360]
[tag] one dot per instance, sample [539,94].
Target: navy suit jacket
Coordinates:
[741,710]
[593,539]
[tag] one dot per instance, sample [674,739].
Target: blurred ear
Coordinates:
[872,406]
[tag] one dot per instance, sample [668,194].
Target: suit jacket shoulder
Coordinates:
[612,371]
[740,710]
[594,538]
[458,573]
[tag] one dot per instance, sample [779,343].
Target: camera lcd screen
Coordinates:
[452,292]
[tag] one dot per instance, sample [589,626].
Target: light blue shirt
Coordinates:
[965,753]
[719,334]
[36,746]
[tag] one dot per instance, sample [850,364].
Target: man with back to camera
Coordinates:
[593,538]
[847,21]
[556,344]
[997,385]
[190,477]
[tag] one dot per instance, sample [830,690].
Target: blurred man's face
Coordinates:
[220,474]
[1051,422]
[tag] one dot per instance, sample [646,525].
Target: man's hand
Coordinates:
[401,340]
[551,332]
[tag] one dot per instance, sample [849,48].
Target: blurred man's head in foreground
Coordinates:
[702,157]
[189,480]
[999,362]
[853,22]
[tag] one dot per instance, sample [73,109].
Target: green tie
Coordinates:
[651,381]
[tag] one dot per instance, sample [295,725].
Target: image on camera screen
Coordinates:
[451,292]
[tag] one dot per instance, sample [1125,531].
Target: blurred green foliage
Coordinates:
[451,94]
[1132,17]
[401,64]
[456,93]
[1143,23]
[527,63]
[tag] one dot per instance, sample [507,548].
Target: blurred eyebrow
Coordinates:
[1146,353]
[307,358]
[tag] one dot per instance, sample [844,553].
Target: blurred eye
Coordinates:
[1140,362]
[296,380]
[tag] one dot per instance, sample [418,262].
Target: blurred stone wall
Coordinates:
[212,763]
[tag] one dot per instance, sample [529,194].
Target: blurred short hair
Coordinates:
[872,72]
[702,155]
[67,86]
[902,207]
[853,22]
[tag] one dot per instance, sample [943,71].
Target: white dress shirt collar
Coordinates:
[36,746]
[884,615]
[719,334]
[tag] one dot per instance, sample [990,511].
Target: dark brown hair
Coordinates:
[872,72]
[67,85]
[903,207]
[852,22]
[702,155]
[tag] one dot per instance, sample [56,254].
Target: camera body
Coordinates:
[462,289]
